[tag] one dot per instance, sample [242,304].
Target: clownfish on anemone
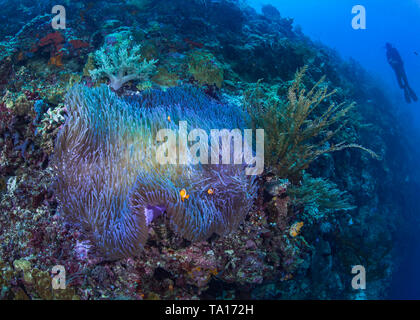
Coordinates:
[184,195]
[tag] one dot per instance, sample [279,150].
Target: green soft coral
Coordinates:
[122,63]
[301,128]
[319,198]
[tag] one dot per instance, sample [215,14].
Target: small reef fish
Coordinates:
[169,118]
[287,277]
[184,195]
[194,44]
[210,191]
[295,229]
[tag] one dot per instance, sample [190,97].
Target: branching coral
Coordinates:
[110,182]
[295,136]
[319,198]
[122,63]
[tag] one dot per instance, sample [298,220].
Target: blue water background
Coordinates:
[397,22]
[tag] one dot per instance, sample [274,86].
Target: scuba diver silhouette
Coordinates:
[394,59]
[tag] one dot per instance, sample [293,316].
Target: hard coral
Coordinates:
[205,69]
[111,183]
[56,61]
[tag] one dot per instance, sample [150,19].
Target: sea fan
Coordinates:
[110,182]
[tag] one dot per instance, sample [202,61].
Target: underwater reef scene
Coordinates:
[83,187]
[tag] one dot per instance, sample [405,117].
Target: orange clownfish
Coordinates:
[210,191]
[295,229]
[184,195]
[169,118]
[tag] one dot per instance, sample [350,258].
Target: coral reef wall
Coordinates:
[76,189]
[109,178]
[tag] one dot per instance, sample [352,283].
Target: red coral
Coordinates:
[55,39]
[31,95]
[79,44]
[194,44]
[52,38]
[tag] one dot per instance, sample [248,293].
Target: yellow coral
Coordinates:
[3,184]
[205,69]
[56,61]
[43,287]
[295,229]
[22,106]
[164,78]
[25,267]
[294,136]
[89,66]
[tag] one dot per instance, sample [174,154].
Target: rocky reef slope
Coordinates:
[284,248]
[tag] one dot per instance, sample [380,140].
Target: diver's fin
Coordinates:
[413,95]
[407,95]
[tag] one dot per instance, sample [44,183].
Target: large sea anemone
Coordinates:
[111,184]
